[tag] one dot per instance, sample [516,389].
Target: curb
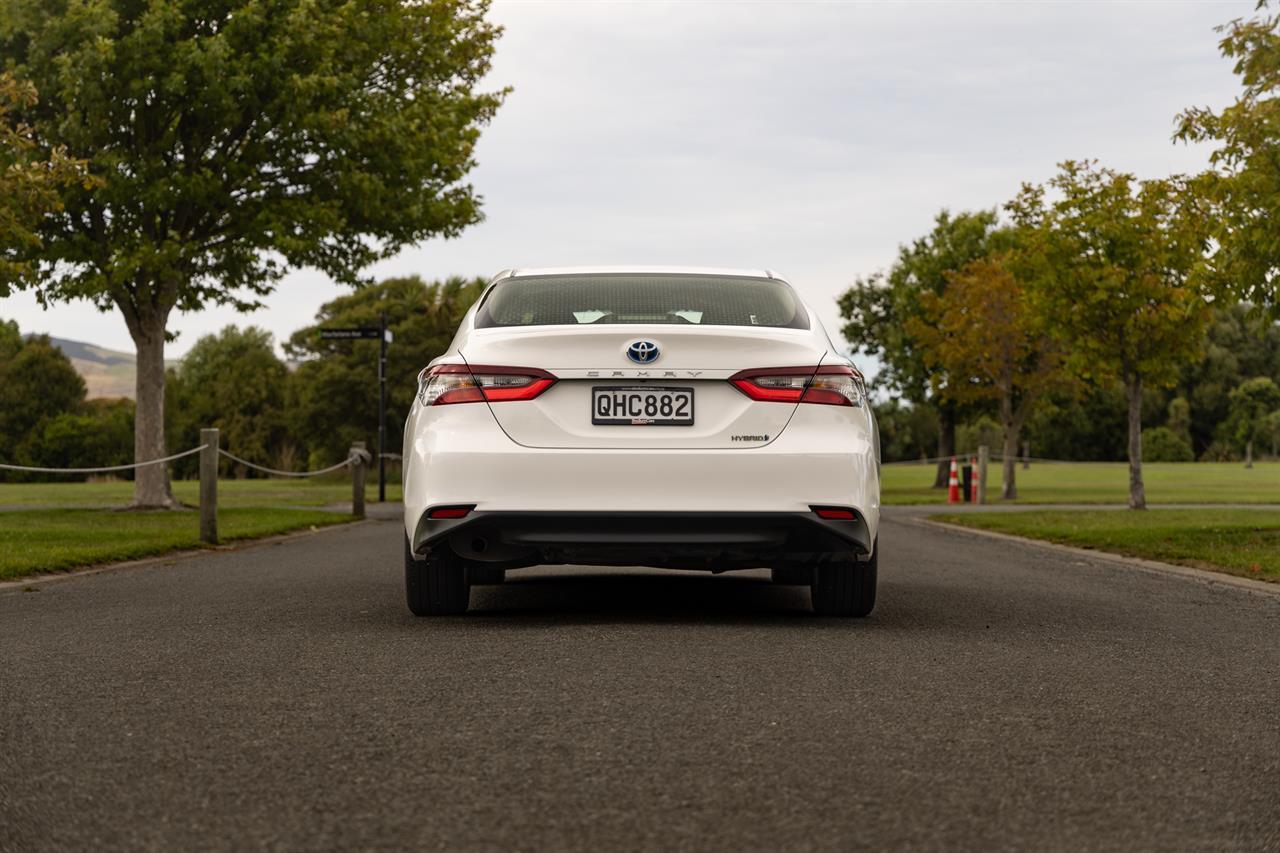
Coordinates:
[1204,576]
[22,584]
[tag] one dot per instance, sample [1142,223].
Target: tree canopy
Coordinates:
[31,182]
[234,139]
[37,381]
[984,340]
[334,393]
[1252,405]
[879,309]
[1244,186]
[233,381]
[1114,262]
[44,418]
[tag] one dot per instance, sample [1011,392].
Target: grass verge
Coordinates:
[1102,482]
[1243,542]
[315,491]
[36,541]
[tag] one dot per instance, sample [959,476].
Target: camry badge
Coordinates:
[643,352]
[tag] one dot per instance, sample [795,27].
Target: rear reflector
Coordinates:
[450,511]
[835,513]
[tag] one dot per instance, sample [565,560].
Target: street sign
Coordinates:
[373,332]
[383,336]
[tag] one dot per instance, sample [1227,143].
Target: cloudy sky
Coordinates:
[809,138]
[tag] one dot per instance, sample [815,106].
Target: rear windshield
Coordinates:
[617,299]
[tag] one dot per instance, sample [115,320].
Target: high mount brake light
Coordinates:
[446,384]
[832,385]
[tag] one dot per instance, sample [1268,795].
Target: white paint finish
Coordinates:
[458,455]
[545,455]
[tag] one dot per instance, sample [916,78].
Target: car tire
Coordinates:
[437,584]
[846,588]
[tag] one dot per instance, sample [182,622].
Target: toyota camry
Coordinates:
[675,418]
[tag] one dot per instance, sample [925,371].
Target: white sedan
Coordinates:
[678,418]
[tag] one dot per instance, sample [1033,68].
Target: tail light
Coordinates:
[445,384]
[833,385]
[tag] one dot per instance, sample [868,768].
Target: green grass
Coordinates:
[1242,542]
[1102,482]
[36,541]
[315,491]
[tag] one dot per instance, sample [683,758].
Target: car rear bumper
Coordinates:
[669,499]
[678,540]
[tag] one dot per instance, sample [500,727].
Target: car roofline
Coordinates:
[642,269]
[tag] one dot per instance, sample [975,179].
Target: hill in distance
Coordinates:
[106,372]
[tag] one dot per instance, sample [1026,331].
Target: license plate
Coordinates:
[641,406]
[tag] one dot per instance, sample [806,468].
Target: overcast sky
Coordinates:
[809,138]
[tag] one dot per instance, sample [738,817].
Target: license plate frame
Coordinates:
[659,420]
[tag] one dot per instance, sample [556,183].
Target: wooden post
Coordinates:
[357,479]
[209,486]
[984,455]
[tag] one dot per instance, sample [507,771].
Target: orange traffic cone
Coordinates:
[973,484]
[953,487]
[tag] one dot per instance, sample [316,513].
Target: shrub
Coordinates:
[1162,444]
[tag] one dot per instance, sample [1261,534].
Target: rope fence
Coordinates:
[358,459]
[362,457]
[106,469]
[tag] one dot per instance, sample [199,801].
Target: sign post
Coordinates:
[383,334]
[382,408]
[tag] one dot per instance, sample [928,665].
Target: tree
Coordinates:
[1112,261]
[1272,430]
[1162,444]
[1179,422]
[98,433]
[10,340]
[1089,424]
[333,397]
[30,183]
[233,381]
[906,431]
[1239,343]
[878,310]
[238,138]
[989,343]
[1244,186]
[37,382]
[1251,404]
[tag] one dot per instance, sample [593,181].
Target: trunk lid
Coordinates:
[700,358]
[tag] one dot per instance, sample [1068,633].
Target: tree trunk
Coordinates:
[1009,489]
[946,445]
[1137,494]
[151,483]
[1248,454]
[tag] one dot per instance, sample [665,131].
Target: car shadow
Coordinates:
[602,596]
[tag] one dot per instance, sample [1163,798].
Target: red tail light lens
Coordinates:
[834,385]
[446,384]
[835,513]
[774,384]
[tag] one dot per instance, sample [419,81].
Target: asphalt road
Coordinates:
[281,697]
